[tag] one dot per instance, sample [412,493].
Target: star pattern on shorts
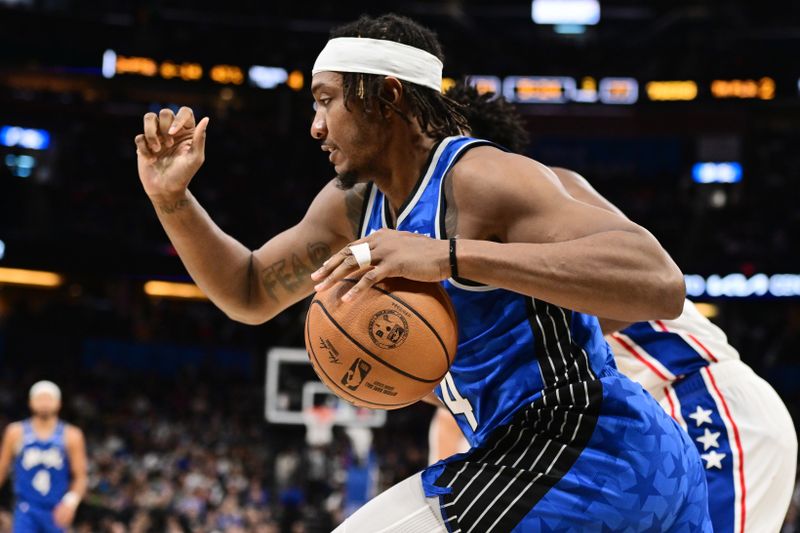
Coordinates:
[708,439]
[713,459]
[646,486]
[701,416]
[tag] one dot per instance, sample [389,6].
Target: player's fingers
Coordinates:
[199,137]
[370,278]
[346,266]
[151,132]
[329,265]
[165,119]
[184,119]
[142,148]
[333,261]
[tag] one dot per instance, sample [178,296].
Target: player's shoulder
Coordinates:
[488,178]
[489,165]
[562,173]
[14,430]
[72,432]
[339,209]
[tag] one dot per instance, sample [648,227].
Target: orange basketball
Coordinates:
[387,349]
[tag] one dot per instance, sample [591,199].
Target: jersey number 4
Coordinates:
[41,482]
[457,404]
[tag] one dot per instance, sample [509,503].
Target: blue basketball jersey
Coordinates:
[511,347]
[41,469]
[560,440]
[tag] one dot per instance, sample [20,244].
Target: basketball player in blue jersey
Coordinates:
[560,440]
[741,428]
[49,460]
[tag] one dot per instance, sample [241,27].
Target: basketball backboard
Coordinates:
[292,388]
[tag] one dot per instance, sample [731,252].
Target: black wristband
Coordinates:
[453,260]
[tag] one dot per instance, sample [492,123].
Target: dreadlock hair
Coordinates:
[491,117]
[437,115]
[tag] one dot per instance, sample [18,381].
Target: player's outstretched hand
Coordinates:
[170,151]
[394,254]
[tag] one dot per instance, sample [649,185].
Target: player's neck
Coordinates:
[405,161]
[44,427]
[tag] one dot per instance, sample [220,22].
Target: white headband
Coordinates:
[45,387]
[378,56]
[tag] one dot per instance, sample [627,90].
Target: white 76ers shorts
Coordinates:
[746,440]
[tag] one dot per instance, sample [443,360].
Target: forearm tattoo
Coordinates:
[292,273]
[169,208]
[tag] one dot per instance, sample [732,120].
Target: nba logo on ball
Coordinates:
[388,329]
[378,340]
[356,374]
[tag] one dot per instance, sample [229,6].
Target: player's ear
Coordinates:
[391,95]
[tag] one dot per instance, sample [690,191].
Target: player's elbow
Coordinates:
[250,317]
[670,293]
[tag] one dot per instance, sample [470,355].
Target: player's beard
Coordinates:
[347,180]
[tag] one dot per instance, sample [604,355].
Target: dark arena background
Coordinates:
[684,114]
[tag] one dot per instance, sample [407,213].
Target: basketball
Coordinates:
[385,350]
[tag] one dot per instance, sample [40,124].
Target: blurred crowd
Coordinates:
[185,447]
[192,454]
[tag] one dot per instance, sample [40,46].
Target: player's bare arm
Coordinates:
[554,247]
[249,286]
[75,444]
[542,243]
[579,188]
[11,438]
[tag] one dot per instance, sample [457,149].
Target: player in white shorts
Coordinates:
[742,430]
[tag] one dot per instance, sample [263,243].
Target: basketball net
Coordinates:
[319,425]
[361,440]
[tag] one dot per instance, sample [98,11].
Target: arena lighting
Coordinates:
[485,84]
[170,289]
[267,77]
[32,139]
[623,91]
[762,89]
[569,29]
[227,74]
[109,63]
[724,172]
[671,90]
[143,66]
[538,89]
[296,80]
[563,89]
[447,84]
[184,71]
[707,310]
[738,285]
[20,166]
[35,278]
[587,91]
[580,12]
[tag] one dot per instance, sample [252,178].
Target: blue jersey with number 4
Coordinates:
[41,469]
[511,347]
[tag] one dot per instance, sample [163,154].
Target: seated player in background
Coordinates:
[742,430]
[559,438]
[49,457]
